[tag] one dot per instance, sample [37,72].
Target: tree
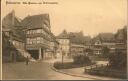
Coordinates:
[118,60]
[105,51]
[89,51]
[81,59]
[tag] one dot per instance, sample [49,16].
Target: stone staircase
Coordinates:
[7,45]
[25,54]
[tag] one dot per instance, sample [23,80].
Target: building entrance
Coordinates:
[13,56]
[34,53]
[42,54]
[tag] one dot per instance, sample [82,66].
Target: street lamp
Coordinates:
[62,51]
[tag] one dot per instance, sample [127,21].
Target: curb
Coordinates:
[53,68]
[75,75]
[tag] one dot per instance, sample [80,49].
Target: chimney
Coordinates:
[13,17]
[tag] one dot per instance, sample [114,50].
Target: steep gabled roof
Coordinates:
[75,37]
[121,34]
[36,21]
[10,21]
[105,37]
[79,38]
[63,35]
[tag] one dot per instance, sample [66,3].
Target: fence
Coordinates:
[104,71]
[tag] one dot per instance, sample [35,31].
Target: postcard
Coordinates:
[64,39]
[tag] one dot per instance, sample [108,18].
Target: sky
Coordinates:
[90,16]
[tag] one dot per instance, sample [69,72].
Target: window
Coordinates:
[67,41]
[38,41]
[32,41]
[42,31]
[35,40]
[39,30]
[13,42]
[31,31]
[42,40]
[28,32]
[38,38]
[28,40]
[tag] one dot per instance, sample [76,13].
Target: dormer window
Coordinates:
[97,42]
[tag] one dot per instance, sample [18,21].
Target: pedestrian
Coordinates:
[27,60]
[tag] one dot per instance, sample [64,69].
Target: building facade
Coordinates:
[97,47]
[13,38]
[77,49]
[73,43]
[79,43]
[121,40]
[38,36]
[64,44]
[52,52]
[103,40]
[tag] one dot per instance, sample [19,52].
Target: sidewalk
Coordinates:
[79,72]
[51,60]
[58,59]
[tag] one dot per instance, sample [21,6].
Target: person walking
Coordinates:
[27,60]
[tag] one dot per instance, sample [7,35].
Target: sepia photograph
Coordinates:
[64,39]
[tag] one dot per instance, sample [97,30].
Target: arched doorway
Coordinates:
[13,56]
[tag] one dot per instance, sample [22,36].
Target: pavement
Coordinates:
[34,71]
[44,70]
[79,72]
